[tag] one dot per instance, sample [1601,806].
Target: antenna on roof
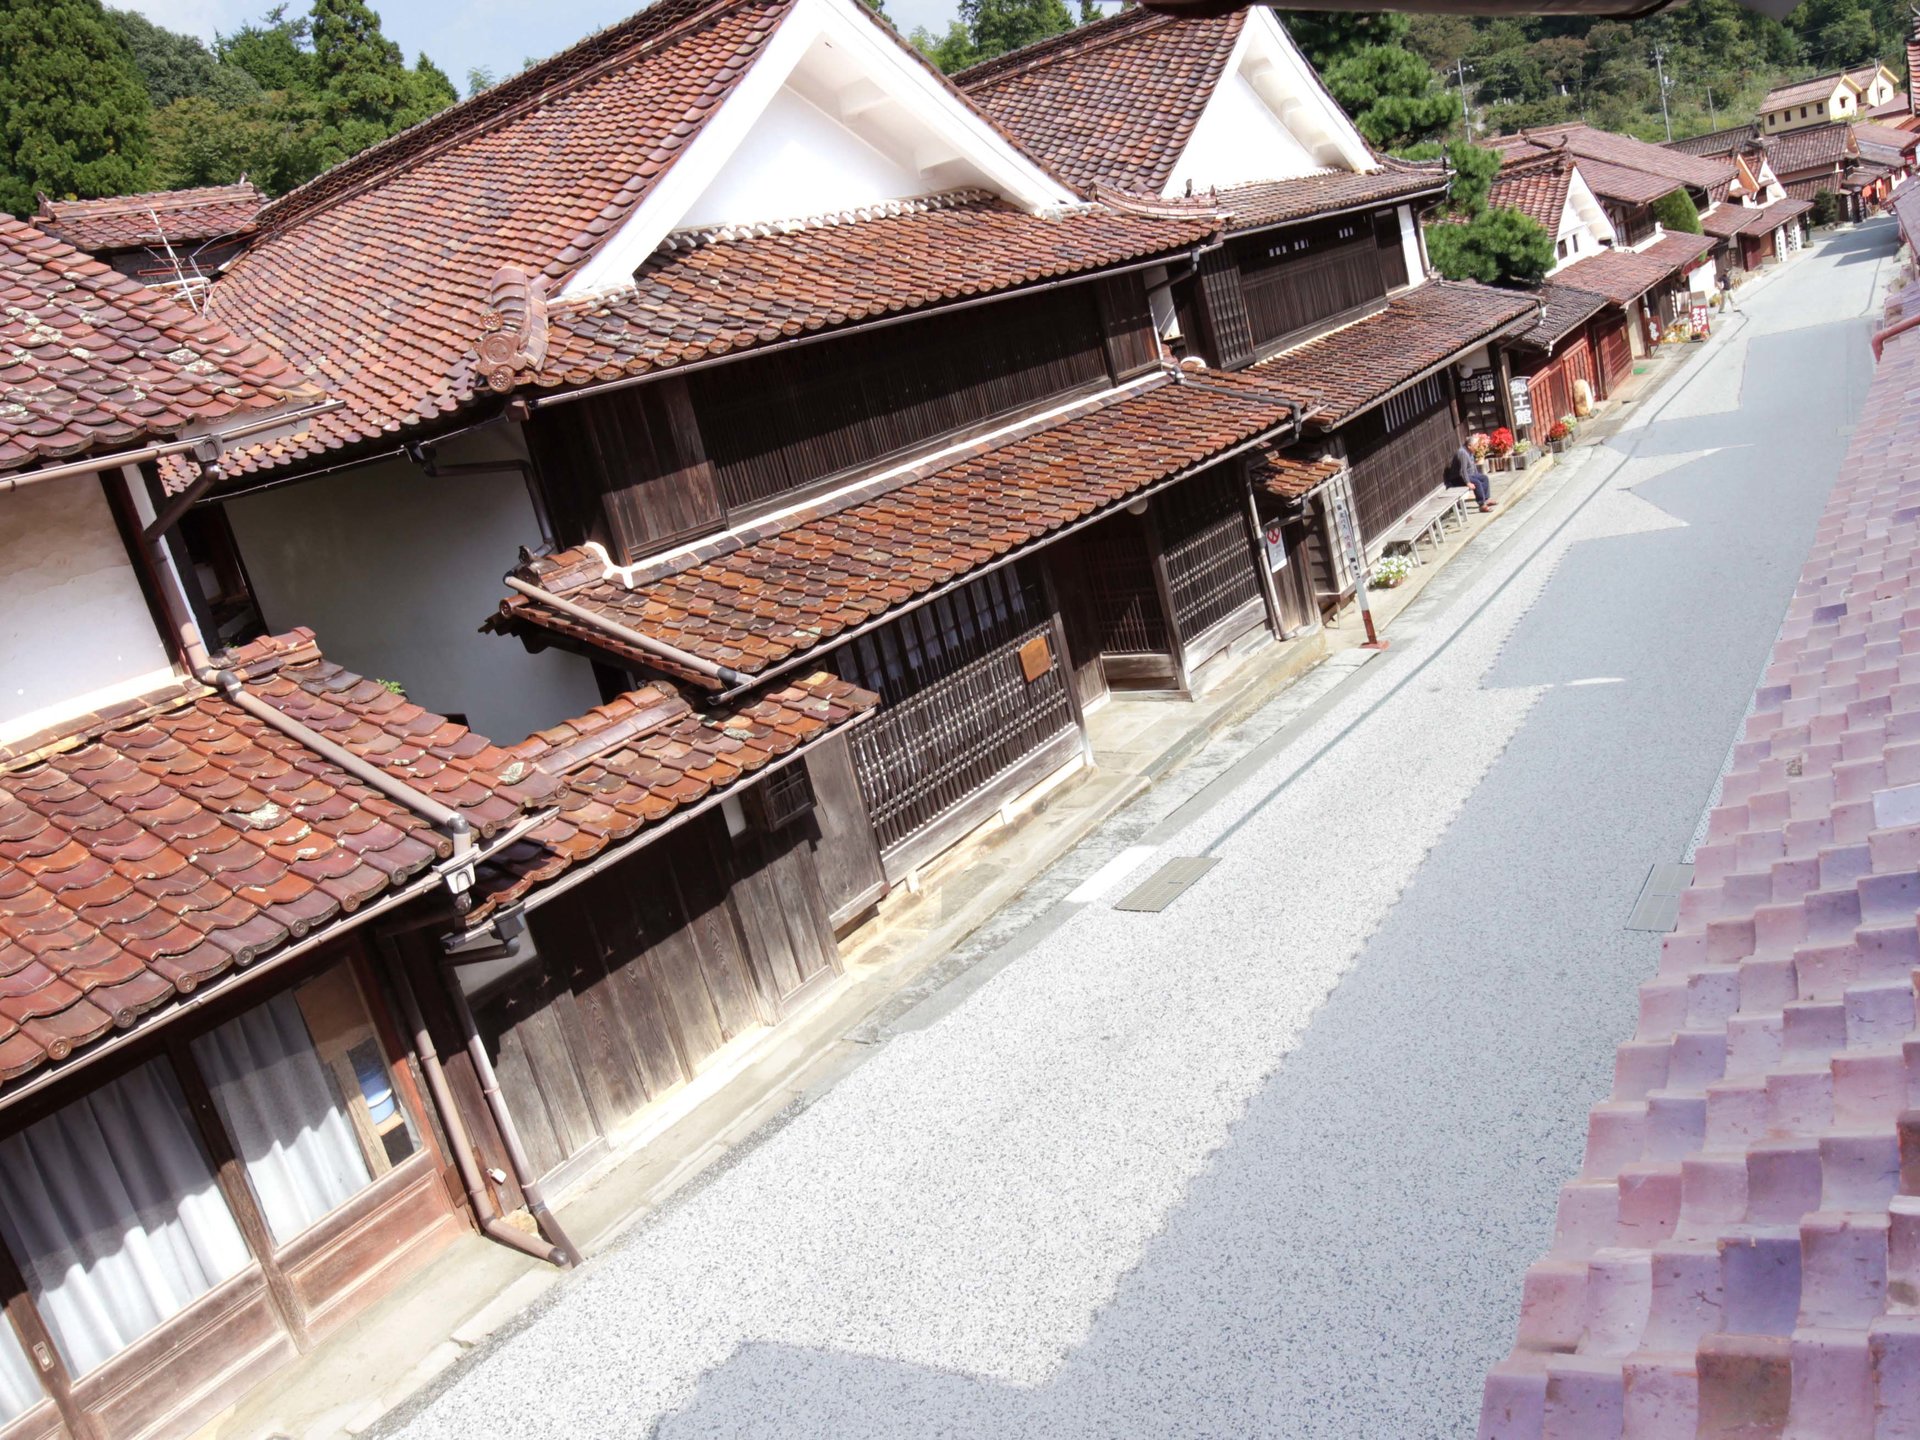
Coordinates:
[184,285]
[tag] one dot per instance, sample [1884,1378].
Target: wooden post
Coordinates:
[1065,658]
[1257,536]
[1163,587]
[237,1192]
[44,1355]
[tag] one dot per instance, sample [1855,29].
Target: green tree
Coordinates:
[951,52]
[1826,207]
[1391,94]
[1326,37]
[997,26]
[1496,247]
[275,51]
[175,66]
[479,78]
[73,109]
[1677,211]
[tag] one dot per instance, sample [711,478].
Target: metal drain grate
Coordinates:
[1167,884]
[1658,908]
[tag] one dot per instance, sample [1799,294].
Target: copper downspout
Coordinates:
[559,1251]
[565,1254]
[644,643]
[1899,327]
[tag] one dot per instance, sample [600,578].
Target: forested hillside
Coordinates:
[104,102]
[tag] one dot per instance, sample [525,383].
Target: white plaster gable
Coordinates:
[833,114]
[1269,118]
[1583,211]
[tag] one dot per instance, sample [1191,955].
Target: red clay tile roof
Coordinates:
[1730,220]
[181,217]
[1738,1252]
[1804,92]
[1626,184]
[1898,108]
[91,361]
[1817,148]
[1885,145]
[1291,476]
[153,849]
[1588,144]
[708,293]
[1906,211]
[1537,191]
[1564,309]
[630,764]
[1354,368]
[1276,202]
[1717,142]
[374,277]
[775,593]
[1623,276]
[1112,103]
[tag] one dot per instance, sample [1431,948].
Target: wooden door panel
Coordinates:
[710,925]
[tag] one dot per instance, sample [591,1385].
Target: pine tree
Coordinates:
[73,108]
[1326,37]
[1392,95]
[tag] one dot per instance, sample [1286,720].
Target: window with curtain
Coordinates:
[303,1088]
[111,1210]
[19,1385]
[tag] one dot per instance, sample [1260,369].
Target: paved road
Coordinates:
[1271,1162]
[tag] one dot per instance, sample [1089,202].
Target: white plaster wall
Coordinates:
[1410,246]
[1240,139]
[798,161]
[75,630]
[395,572]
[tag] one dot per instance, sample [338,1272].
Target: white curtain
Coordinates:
[286,1120]
[112,1211]
[19,1386]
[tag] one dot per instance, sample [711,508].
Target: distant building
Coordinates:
[1819,101]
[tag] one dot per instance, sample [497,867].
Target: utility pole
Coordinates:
[1713,115]
[1660,64]
[1466,114]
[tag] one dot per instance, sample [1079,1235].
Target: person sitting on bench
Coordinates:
[1463,469]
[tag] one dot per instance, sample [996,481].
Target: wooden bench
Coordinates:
[1428,520]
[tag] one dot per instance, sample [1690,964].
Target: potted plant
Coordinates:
[1389,571]
[1560,436]
[1504,450]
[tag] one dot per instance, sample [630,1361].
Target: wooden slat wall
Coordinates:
[783,422]
[1127,320]
[958,710]
[1393,471]
[627,468]
[1209,561]
[1226,332]
[1294,279]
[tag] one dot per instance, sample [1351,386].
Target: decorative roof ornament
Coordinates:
[513,327]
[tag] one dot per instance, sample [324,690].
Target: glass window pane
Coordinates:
[19,1385]
[113,1214]
[303,1088]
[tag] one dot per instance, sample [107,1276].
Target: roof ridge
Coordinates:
[1125,25]
[695,236]
[50,208]
[622,44]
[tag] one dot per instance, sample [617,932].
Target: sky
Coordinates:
[460,35]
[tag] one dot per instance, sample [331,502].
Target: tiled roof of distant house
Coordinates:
[1816,147]
[1111,103]
[1729,220]
[177,217]
[149,850]
[1716,142]
[1623,151]
[1805,92]
[1623,276]
[1737,1254]
[1339,375]
[91,361]
[646,756]
[1275,202]
[756,598]
[1563,310]
[1538,191]
[1885,144]
[711,292]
